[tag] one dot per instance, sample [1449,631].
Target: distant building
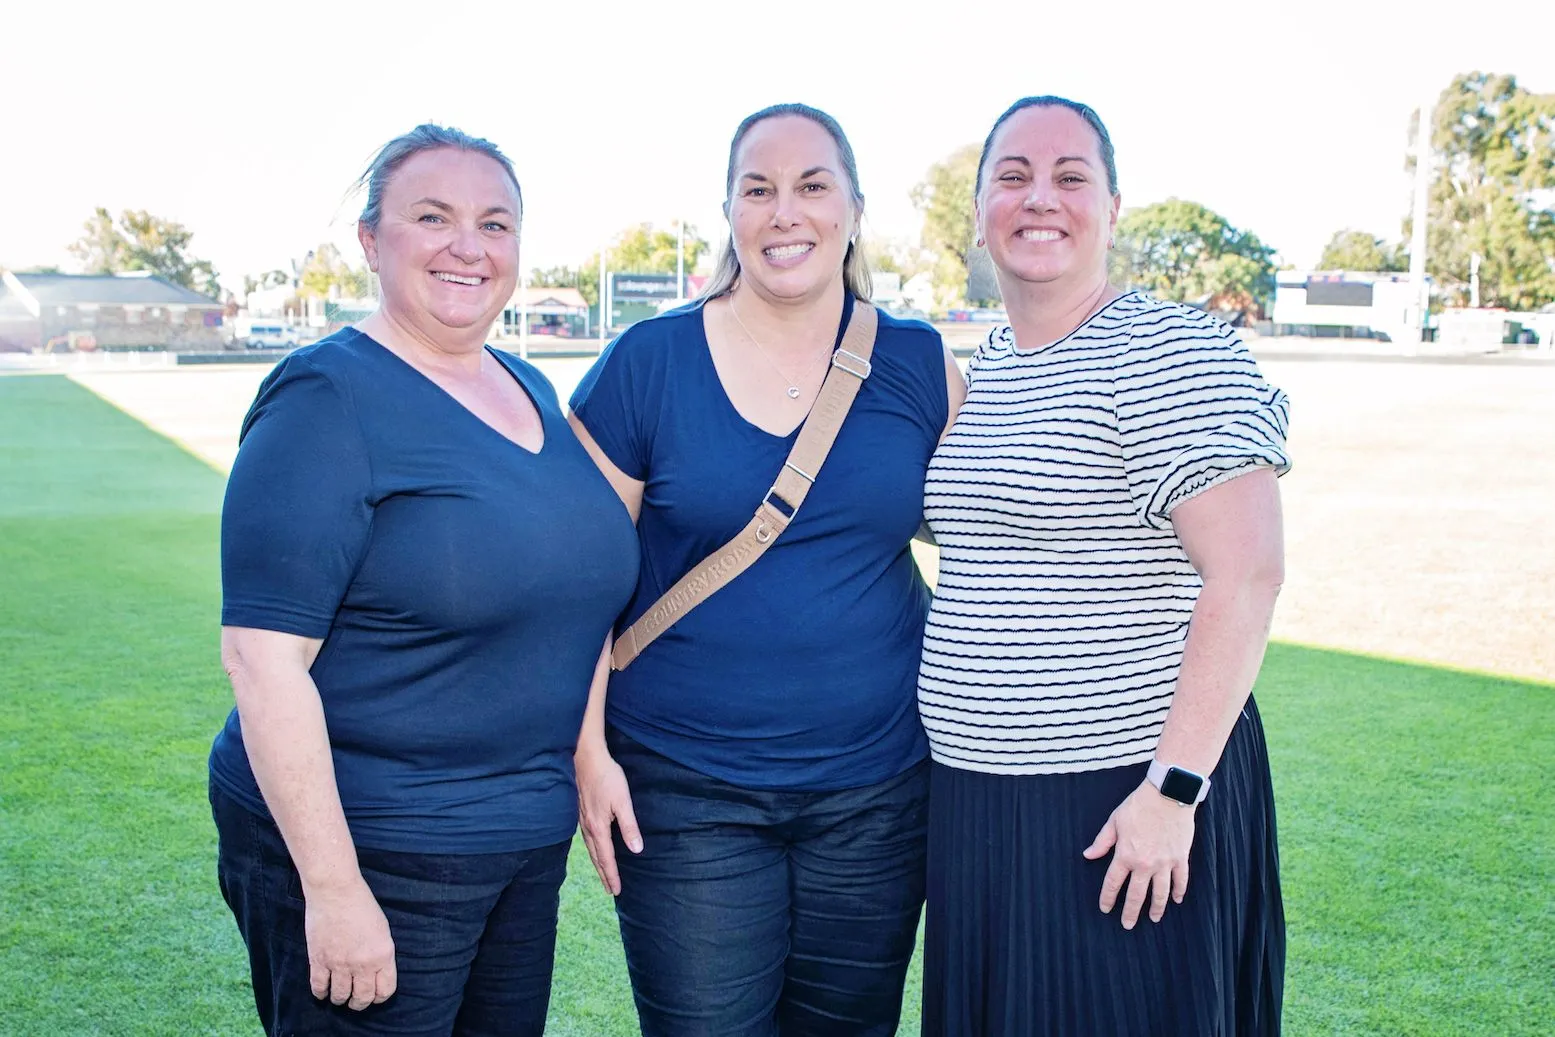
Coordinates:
[918,291]
[887,289]
[59,312]
[1488,329]
[561,312]
[1343,304]
[272,301]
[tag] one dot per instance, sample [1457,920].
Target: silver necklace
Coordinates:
[793,385]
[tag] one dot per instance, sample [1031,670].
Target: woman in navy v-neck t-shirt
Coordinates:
[462,586]
[762,759]
[420,567]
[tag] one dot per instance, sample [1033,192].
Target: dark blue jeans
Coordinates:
[474,934]
[752,914]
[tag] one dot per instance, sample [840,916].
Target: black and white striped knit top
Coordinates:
[1064,596]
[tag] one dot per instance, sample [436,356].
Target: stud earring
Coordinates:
[979,241]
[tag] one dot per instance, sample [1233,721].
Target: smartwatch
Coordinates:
[1179,784]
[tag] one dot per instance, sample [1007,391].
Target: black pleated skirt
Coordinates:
[1015,945]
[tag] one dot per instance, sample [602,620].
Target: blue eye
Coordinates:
[431,217]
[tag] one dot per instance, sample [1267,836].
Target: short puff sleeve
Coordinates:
[1193,412]
[298,506]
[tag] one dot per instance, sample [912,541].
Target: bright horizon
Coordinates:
[250,130]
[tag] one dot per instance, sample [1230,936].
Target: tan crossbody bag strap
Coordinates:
[849,367]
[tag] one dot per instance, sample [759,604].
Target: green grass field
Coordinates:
[1416,825]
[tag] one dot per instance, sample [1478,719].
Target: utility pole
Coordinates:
[1422,212]
[604,321]
[523,312]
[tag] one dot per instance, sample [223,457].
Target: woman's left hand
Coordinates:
[1149,836]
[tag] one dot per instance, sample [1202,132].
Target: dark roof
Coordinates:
[110,289]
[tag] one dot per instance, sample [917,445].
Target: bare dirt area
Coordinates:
[1420,515]
[199,408]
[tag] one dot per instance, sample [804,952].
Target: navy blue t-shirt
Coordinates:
[802,672]
[462,585]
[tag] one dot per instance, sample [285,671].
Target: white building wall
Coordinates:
[1387,314]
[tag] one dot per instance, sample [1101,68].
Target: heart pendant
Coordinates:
[793,392]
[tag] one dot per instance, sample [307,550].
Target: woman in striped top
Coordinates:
[1109,527]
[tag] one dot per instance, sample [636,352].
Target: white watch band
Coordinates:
[1156,775]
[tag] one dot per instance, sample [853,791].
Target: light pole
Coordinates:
[1417,235]
[603,320]
[523,312]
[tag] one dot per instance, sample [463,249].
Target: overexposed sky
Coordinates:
[249,122]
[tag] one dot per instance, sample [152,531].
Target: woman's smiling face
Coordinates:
[1045,209]
[446,246]
[791,210]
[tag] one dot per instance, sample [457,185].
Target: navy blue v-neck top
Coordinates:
[801,673]
[462,586]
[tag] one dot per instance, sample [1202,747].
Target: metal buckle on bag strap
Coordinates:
[855,365]
[781,510]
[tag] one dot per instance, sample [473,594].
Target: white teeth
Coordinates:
[456,279]
[785,251]
[1040,235]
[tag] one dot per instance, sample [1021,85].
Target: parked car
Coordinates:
[987,315]
[271,336]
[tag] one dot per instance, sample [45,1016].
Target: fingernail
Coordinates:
[635,845]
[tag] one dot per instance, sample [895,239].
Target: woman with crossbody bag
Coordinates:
[751,770]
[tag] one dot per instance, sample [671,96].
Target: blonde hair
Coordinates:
[426,137]
[855,267]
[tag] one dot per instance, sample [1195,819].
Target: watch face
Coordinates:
[1181,785]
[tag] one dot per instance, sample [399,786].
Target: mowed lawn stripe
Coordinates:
[109,693]
[1417,845]
[65,452]
[1416,830]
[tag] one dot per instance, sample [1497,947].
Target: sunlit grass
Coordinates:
[1414,814]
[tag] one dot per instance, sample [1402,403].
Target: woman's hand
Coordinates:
[350,951]
[603,798]
[1150,837]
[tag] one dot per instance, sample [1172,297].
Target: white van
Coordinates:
[270,335]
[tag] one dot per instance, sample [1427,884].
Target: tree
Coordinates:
[268,279]
[103,249]
[325,274]
[1492,192]
[1361,252]
[949,226]
[641,250]
[141,241]
[554,277]
[1183,251]
[892,256]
